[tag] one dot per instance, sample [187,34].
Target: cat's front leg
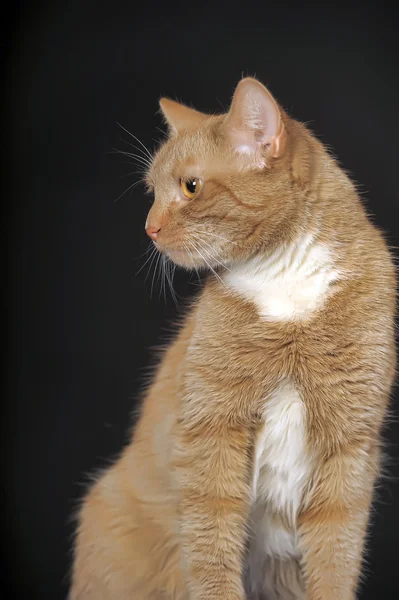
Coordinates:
[333,527]
[213,464]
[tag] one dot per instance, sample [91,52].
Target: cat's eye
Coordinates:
[190,187]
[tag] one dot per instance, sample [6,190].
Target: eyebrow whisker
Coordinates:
[148,153]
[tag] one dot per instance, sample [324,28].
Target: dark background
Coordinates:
[81,323]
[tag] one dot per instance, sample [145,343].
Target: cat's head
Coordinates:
[221,183]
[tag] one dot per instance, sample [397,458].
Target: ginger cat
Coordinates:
[250,473]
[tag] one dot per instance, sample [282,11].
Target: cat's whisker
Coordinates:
[148,153]
[129,154]
[155,271]
[207,263]
[208,253]
[200,238]
[164,271]
[221,237]
[137,148]
[138,157]
[161,274]
[137,172]
[153,258]
[127,190]
[139,161]
[162,278]
[151,246]
[170,271]
[187,249]
[142,255]
[153,251]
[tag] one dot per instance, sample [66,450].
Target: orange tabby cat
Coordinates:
[251,470]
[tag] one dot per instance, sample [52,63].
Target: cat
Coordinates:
[251,469]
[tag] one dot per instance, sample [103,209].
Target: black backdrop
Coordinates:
[81,322]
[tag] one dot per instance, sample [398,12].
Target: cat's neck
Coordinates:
[289,282]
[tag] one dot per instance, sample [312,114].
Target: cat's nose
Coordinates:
[152,231]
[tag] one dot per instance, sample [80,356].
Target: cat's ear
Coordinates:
[253,124]
[180,117]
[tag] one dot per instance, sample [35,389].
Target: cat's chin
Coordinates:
[183,259]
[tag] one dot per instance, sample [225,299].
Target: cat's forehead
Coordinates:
[186,147]
[195,149]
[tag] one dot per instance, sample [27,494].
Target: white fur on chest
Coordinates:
[280,471]
[288,284]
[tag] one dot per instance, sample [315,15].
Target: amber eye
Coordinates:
[190,187]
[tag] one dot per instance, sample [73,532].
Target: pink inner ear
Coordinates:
[254,119]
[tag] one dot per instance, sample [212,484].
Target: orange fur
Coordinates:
[304,348]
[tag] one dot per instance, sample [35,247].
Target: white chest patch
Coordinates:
[281,465]
[280,471]
[290,283]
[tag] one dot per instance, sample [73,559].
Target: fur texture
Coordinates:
[251,469]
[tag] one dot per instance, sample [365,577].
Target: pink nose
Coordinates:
[152,231]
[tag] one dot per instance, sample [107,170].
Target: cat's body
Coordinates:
[252,465]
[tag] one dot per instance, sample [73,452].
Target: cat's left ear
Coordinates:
[253,124]
[180,117]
